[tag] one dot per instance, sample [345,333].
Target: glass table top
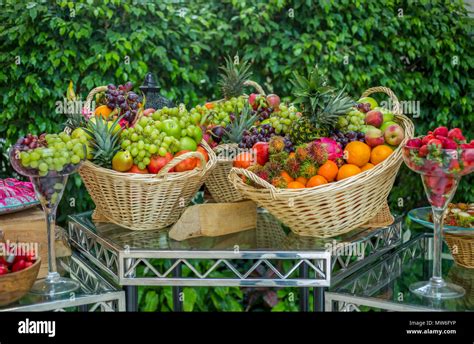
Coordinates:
[385,283]
[269,234]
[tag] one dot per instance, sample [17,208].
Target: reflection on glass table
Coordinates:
[384,285]
[95,294]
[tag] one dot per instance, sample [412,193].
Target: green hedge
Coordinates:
[421,49]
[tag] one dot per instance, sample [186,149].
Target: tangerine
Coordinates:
[103,111]
[295,185]
[301,180]
[316,181]
[367,166]
[348,170]
[380,153]
[286,176]
[357,153]
[328,170]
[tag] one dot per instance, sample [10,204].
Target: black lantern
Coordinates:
[151,90]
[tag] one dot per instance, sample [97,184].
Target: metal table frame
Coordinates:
[310,268]
[97,293]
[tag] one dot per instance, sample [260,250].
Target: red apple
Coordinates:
[252,100]
[374,137]
[273,101]
[158,162]
[394,135]
[374,118]
[261,150]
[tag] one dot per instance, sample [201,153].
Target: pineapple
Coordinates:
[243,121]
[321,107]
[105,140]
[233,78]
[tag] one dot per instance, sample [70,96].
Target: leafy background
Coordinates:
[422,50]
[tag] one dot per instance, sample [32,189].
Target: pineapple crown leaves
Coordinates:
[104,141]
[321,103]
[233,77]
[243,120]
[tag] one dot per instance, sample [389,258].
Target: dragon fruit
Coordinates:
[331,148]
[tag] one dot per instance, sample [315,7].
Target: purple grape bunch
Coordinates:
[31,142]
[123,98]
[264,113]
[344,138]
[256,134]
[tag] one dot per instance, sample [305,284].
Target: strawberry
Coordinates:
[423,151]
[436,142]
[468,156]
[441,131]
[456,135]
[448,143]
[414,143]
[427,139]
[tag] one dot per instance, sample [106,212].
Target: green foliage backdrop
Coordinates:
[422,50]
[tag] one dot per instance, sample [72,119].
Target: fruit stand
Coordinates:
[311,174]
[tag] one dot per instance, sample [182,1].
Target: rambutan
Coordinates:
[308,169]
[279,182]
[292,166]
[273,168]
[279,157]
[276,144]
[317,153]
[301,153]
[260,171]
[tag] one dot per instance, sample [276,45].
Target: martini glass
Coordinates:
[49,187]
[441,171]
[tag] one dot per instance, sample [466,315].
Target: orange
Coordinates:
[243,160]
[380,153]
[301,180]
[295,185]
[103,111]
[347,170]
[328,170]
[366,167]
[316,181]
[357,153]
[286,176]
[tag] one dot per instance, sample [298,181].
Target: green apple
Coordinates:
[172,128]
[385,125]
[187,143]
[366,128]
[370,100]
[388,117]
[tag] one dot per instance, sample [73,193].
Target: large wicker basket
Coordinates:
[335,208]
[218,183]
[145,201]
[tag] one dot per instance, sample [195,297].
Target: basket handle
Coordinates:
[255,85]
[181,158]
[396,104]
[236,172]
[90,96]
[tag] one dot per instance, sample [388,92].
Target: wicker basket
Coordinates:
[335,208]
[462,248]
[218,182]
[145,201]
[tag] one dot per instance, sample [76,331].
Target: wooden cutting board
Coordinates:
[215,219]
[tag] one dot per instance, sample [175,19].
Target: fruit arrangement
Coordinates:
[458,214]
[441,157]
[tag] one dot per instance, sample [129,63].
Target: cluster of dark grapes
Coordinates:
[124,99]
[32,141]
[363,107]
[288,145]
[264,113]
[256,134]
[345,138]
